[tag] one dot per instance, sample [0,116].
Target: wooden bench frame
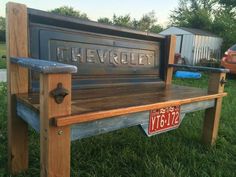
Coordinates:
[55,125]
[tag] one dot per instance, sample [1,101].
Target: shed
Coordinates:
[195,44]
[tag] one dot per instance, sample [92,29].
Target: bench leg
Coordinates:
[211,123]
[17,128]
[54,141]
[17,77]
[17,141]
[55,152]
[212,115]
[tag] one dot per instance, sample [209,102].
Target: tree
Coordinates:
[156,28]
[217,16]
[193,13]
[104,20]
[2,29]
[148,22]
[122,20]
[69,11]
[224,25]
[231,3]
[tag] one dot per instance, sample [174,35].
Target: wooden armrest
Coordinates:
[43,66]
[200,68]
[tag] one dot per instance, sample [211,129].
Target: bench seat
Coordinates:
[121,77]
[124,103]
[85,101]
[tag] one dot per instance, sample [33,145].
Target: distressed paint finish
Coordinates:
[88,129]
[43,66]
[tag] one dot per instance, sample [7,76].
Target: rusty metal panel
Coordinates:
[100,58]
[104,54]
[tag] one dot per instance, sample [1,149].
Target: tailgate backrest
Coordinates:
[104,54]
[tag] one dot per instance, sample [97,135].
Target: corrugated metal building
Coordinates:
[195,44]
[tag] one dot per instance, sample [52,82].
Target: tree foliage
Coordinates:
[148,22]
[69,11]
[105,20]
[229,3]
[217,16]
[2,29]
[193,13]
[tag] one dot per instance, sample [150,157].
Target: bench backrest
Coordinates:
[104,54]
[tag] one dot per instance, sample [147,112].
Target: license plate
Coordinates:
[164,119]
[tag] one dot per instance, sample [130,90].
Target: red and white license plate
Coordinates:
[164,119]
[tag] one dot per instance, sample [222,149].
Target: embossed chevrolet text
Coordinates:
[104,55]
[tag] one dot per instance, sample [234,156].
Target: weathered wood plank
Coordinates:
[86,117]
[88,129]
[96,100]
[54,141]
[17,45]
[171,40]
[212,115]
[28,115]
[44,66]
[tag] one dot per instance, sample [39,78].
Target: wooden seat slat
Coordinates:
[103,99]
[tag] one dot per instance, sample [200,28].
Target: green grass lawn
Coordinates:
[2,52]
[129,153]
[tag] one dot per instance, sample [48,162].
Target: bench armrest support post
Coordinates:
[171,44]
[212,115]
[54,141]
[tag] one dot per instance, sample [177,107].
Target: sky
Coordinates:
[105,8]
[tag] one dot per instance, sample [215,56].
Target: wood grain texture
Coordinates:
[86,117]
[17,46]
[54,141]
[87,129]
[92,104]
[212,115]
[100,99]
[214,85]
[171,40]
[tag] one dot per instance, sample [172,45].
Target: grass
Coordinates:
[129,153]
[2,52]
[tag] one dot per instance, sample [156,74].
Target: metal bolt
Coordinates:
[60,132]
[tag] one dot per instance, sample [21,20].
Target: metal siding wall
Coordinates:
[187,48]
[178,44]
[205,47]
[195,47]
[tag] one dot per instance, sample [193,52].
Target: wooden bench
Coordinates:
[70,79]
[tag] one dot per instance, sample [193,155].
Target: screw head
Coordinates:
[60,132]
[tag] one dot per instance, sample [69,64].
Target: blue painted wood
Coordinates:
[44,66]
[28,115]
[201,68]
[88,129]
